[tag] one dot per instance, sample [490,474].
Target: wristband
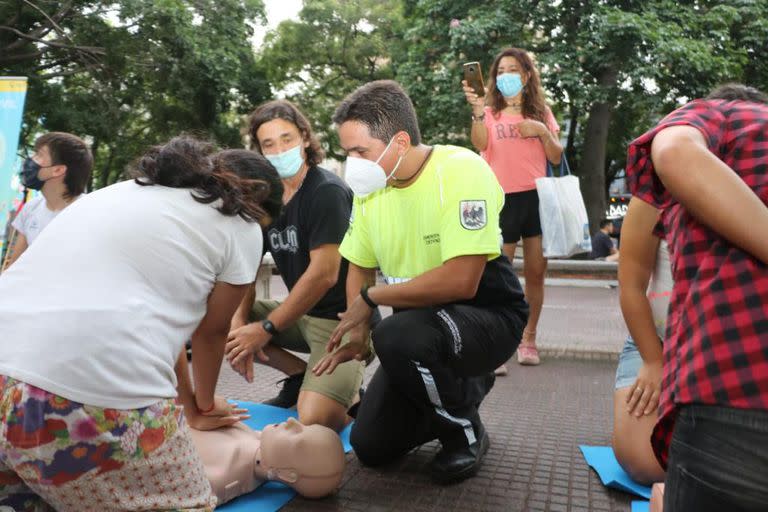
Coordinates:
[479,118]
[366,298]
[269,327]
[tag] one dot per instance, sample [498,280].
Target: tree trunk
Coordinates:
[569,147]
[592,162]
[95,153]
[105,170]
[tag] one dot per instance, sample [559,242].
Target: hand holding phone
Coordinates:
[473,75]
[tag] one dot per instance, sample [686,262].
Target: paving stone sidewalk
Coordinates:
[580,319]
[536,418]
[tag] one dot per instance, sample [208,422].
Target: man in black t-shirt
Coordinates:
[304,242]
[602,245]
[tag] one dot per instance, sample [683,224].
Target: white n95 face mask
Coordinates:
[365,176]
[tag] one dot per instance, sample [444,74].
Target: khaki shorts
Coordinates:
[310,336]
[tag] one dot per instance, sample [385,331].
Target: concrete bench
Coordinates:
[264,277]
[584,269]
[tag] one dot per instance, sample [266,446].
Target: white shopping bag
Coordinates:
[564,222]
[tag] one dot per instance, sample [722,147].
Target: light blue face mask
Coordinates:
[288,162]
[509,84]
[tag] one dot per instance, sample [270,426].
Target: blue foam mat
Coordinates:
[270,496]
[641,506]
[602,460]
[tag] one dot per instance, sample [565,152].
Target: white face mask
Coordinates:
[365,176]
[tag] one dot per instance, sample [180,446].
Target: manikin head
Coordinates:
[308,458]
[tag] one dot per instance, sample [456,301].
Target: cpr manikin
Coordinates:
[238,459]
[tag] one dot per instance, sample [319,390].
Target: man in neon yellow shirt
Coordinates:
[428,218]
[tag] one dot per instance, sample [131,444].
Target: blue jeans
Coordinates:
[718,461]
[629,365]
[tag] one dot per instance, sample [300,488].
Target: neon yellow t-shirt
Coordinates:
[451,210]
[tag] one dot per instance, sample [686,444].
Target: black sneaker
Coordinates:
[459,463]
[289,393]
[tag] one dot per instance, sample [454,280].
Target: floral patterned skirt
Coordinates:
[70,456]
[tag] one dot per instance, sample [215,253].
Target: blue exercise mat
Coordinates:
[270,496]
[641,506]
[602,460]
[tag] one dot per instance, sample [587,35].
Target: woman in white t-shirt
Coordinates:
[93,321]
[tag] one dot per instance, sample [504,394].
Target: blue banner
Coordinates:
[13,91]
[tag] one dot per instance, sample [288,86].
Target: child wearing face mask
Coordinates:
[60,168]
[516,133]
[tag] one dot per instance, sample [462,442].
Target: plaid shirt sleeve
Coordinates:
[716,344]
[641,176]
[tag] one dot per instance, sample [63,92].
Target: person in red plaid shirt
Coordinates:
[705,166]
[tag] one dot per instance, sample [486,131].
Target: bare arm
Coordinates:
[18,246]
[638,260]
[479,132]
[710,190]
[210,337]
[240,318]
[224,413]
[455,280]
[552,147]
[358,347]
[356,278]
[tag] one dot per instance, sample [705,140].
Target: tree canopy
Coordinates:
[136,72]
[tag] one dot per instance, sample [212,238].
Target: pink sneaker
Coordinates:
[527,355]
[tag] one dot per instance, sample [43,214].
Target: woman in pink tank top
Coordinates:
[515,131]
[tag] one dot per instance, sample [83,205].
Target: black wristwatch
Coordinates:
[367,298]
[270,327]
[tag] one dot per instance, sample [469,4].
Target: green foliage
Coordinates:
[441,35]
[161,68]
[334,47]
[638,60]
[136,72]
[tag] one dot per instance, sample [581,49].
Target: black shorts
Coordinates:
[520,216]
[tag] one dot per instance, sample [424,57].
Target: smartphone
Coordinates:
[474,77]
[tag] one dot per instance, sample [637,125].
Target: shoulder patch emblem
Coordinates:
[473,214]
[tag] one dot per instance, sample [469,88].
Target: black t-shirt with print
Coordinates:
[316,215]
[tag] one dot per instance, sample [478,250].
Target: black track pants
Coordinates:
[436,367]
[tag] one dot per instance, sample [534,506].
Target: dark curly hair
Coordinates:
[245,183]
[287,111]
[738,92]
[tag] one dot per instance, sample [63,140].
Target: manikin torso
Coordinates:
[229,456]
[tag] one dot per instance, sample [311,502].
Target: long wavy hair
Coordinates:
[534,105]
[245,183]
